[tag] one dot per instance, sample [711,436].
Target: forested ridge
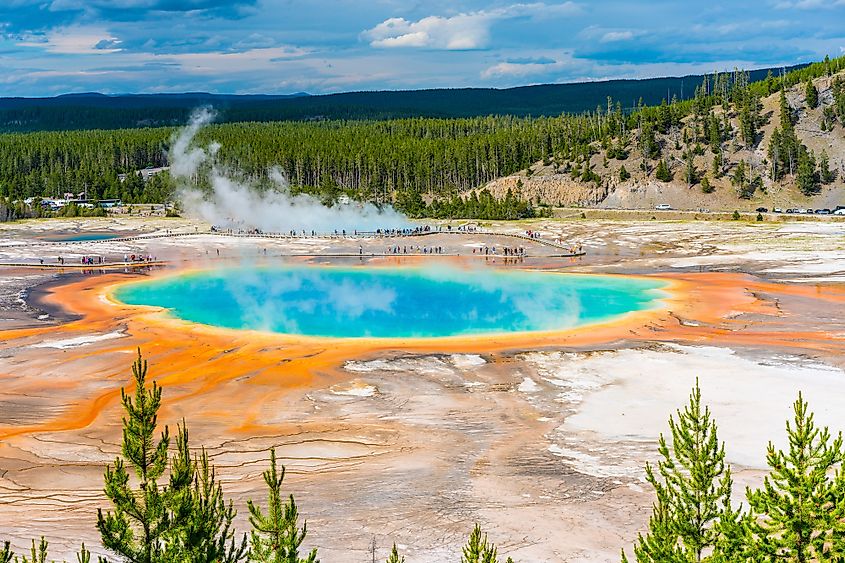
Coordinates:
[90,111]
[428,165]
[781,139]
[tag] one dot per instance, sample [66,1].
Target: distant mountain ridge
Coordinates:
[139,100]
[101,111]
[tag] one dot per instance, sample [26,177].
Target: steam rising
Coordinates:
[240,204]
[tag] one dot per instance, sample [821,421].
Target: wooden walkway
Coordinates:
[330,236]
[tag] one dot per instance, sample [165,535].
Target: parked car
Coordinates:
[808,211]
[840,211]
[777,210]
[762,210]
[663,207]
[790,211]
[822,211]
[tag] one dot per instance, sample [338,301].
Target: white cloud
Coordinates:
[222,62]
[609,35]
[75,40]
[462,31]
[612,36]
[808,4]
[567,68]
[522,69]
[506,69]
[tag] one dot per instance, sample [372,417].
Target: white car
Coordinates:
[663,207]
[839,212]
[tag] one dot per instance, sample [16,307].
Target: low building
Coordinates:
[146,173]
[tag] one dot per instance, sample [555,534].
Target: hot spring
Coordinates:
[395,302]
[84,237]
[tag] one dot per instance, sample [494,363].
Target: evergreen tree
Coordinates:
[135,529]
[807,180]
[786,117]
[693,488]
[690,171]
[838,90]
[826,176]
[734,542]
[799,507]
[811,95]
[200,520]
[648,143]
[6,553]
[739,179]
[624,174]
[749,119]
[38,552]
[394,556]
[716,166]
[775,156]
[660,545]
[714,133]
[477,550]
[662,173]
[276,536]
[84,556]
[664,117]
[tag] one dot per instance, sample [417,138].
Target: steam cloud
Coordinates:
[240,204]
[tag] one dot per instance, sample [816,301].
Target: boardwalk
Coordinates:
[318,236]
[566,251]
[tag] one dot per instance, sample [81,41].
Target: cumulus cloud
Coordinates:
[613,36]
[463,31]
[74,40]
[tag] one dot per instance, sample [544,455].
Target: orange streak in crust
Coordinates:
[199,362]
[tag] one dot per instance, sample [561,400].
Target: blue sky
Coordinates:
[49,47]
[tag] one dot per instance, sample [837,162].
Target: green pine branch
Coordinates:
[135,528]
[276,536]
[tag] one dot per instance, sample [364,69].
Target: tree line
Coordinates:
[404,161]
[95,111]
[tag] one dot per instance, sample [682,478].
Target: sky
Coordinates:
[50,47]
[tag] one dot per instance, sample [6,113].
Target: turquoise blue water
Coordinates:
[392,302]
[84,237]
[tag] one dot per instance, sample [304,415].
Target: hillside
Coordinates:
[97,111]
[562,181]
[729,147]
